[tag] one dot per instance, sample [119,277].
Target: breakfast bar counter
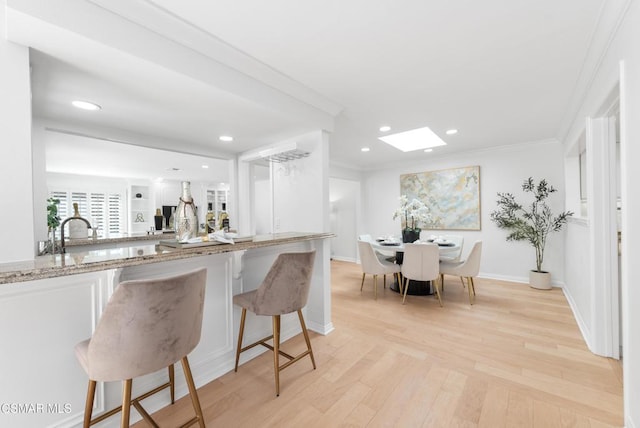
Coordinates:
[143,252]
[49,304]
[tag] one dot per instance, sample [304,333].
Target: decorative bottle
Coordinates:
[78,228]
[186,220]
[158,219]
[223,218]
[211,220]
[172,220]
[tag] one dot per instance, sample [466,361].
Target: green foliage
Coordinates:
[533,223]
[53,219]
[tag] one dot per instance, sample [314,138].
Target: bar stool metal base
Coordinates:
[127,401]
[276,346]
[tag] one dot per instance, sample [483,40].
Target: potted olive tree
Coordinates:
[531,223]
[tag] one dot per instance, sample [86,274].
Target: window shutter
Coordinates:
[105,211]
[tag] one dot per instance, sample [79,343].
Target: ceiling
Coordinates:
[500,71]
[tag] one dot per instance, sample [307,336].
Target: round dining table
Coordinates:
[416,288]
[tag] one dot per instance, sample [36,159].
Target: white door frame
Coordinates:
[601,203]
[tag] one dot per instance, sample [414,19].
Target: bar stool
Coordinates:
[146,326]
[284,290]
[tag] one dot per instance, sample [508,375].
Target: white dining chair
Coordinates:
[453,256]
[468,268]
[382,255]
[373,265]
[421,263]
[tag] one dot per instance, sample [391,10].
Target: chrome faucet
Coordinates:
[62,245]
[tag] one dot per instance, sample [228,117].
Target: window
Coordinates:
[104,210]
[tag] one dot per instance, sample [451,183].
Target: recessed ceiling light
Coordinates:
[85,105]
[452,131]
[385,128]
[226,138]
[365,149]
[205,166]
[416,139]
[428,150]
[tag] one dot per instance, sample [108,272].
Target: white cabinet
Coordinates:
[140,209]
[215,199]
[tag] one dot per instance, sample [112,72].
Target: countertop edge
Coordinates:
[32,274]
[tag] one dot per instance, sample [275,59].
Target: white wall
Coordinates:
[16,162]
[621,63]
[301,188]
[501,170]
[344,196]
[578,282]
[262,203]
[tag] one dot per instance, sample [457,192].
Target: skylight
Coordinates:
[416,139]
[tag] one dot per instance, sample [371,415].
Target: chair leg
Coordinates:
[436,281]
[276,351]
[470,289]
[172,383]
[126,403]
[384,281]
[306,337]
[240,333]
[88,407]
[406,287]
[462,281]
[442,282]
[193,392]
[375,287]
[362,283]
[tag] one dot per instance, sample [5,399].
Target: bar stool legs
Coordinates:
[276,325]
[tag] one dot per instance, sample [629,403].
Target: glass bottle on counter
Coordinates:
[186,223]
[223,218]
[78,228]
[158,219]
[211,219]
[172,220]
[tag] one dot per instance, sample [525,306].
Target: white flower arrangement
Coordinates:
[413,213]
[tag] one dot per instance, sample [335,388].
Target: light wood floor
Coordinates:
[514,359]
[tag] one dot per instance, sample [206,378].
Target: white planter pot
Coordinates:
[540,280]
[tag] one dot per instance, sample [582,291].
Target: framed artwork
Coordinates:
[452,196]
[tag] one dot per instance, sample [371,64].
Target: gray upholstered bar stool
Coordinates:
[146,326]
[284,290]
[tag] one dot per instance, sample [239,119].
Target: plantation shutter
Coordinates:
[105,211]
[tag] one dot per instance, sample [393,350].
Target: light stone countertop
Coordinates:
[50,266]
[157,236]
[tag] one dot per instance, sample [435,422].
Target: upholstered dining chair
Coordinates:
[382,255]
[373,265]
[468,268]
[147,325]
[421,263]
[284,290]
[458,241]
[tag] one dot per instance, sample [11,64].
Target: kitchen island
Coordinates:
[49,304]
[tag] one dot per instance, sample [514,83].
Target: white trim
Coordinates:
[582,325]
[601,205]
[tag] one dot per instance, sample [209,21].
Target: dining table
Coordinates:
[416,288]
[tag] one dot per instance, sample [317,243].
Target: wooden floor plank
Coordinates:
[514,358]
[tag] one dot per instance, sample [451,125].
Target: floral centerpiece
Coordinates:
[413,214]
